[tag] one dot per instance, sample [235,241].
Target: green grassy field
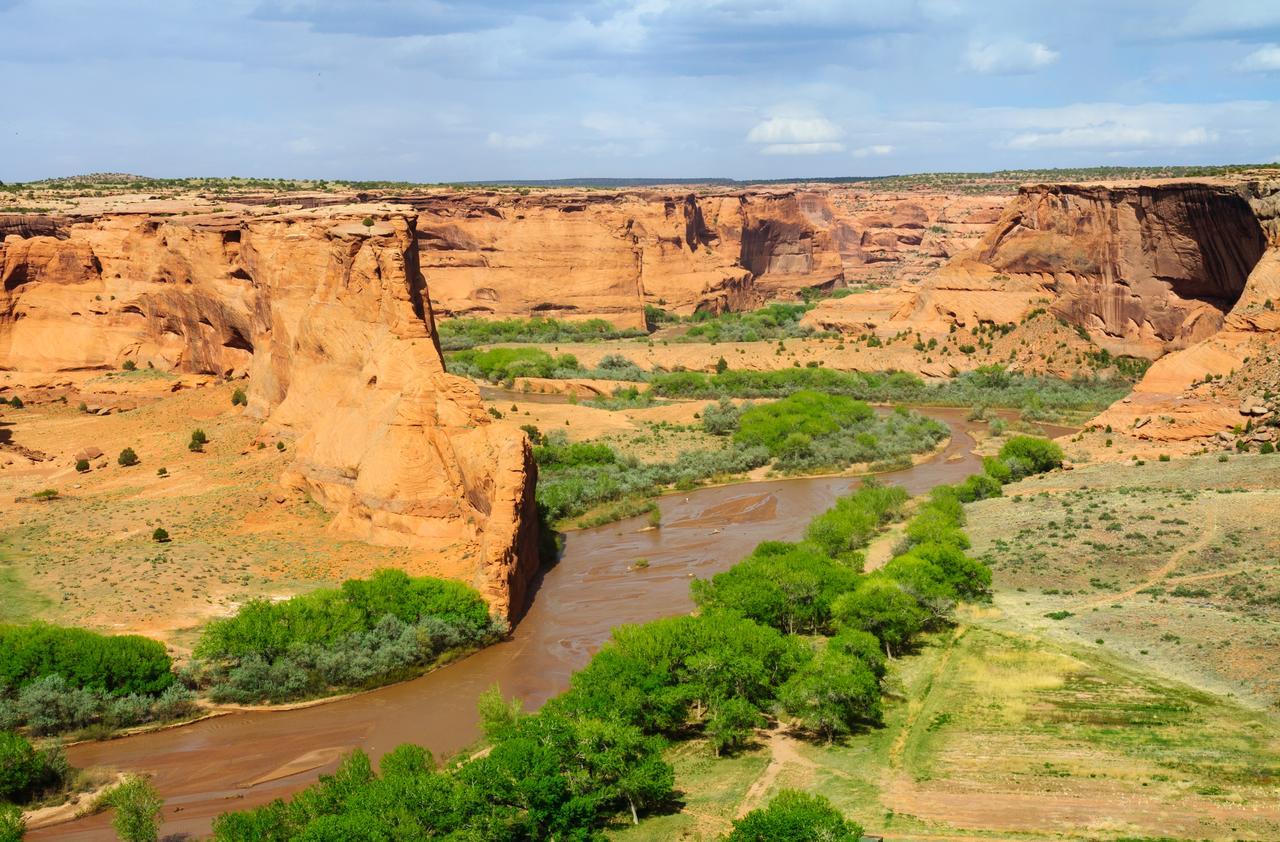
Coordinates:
[1143,707]
[993,733]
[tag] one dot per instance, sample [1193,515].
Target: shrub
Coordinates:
[117,665]
[137,806]
[161,535]
[16,402]
[129,365]
[721,419]
[127,458]
[51,704]
[795,817]
[82,465]
[366,630]
[13,827]
[239,398]
[1036,454]
[20,766]
[806,413]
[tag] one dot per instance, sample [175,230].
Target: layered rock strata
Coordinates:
[329,317]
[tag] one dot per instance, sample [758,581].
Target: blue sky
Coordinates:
[443,90]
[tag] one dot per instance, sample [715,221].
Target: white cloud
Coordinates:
[868,151]
[797,136]
[795,130]
[1262,60]
[1111,126]
[1009,57]
[498,140]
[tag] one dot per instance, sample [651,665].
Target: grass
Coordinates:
[1172,563]
[21,603]
[1053,742]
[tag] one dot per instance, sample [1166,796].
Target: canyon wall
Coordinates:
[1219,389]
[597,254]
[1144,268]
[329,318]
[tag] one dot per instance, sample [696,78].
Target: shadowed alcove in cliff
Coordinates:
[1150,264]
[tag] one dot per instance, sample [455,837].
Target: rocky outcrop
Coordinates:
[578,255]
[329,318]
[606,255]
[1145,269]
[1199,394]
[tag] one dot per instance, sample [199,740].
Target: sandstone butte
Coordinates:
[329,320]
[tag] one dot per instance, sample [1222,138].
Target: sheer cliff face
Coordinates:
[1147,268]
[329,318]
[607,255]
[1226,380]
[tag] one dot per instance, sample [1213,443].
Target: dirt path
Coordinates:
[783,752]
[1162,572]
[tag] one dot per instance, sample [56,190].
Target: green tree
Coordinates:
[731,724]
[82,466]
[161,535]
[795,817]
[832,694]
[880,606]
[127,458]
[137,806]
[239,398]
[20,766]
[1030,454]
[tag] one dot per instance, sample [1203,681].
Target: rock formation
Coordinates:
[1227,380]
[328,316]
[578,255]
[1144,268]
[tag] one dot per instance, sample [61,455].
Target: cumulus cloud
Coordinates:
[1008,57]
[876,149]
[1262,60]
[797,136]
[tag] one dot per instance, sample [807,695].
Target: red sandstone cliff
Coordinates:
[1145,269]
[329,318]
[596,254]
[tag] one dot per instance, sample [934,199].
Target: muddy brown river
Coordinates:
[241,760]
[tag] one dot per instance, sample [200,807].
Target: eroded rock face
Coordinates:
[606,255]
[1150,267]
[1145,269]
[330,319]
[1197,394]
